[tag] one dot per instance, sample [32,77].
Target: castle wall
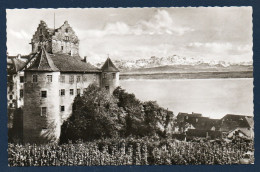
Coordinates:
[67,99]
[65,40]
[43,35]
[109,80]
[39,128]
[14,99]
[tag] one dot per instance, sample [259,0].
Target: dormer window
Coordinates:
[67,38]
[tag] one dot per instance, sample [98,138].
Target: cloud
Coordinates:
[220,47]
[20,35]
[160,23]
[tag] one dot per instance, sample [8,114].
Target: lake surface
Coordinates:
[211,97]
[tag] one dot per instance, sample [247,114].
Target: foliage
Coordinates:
[95,115]
[143,119]
[129,151]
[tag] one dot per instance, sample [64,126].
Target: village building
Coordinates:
[53,76]
[195,125]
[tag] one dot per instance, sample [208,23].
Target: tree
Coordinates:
[95,115]
[157,119]
[134,109]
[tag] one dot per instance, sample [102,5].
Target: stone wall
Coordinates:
[37,128]
[110,81]
[65,40]
[67,99]
[43,35]
[42,129]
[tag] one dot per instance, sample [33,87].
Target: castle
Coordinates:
[51,78]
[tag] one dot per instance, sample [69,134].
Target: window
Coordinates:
[71,91]
[107,87]
[61,48]
[44,94]
[78,91]
[62,108]
[21,79]
[21,93]
[104,75]
[85,78]
[49,78]
[35,78]
[67,38]
[62,92]
[114,75]
[44,111]
[62,78]
[78,78]
[66,30]
[10,97]
[72,79]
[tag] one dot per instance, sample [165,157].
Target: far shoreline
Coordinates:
[188,75]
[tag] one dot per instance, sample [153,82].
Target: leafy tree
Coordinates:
[134,109]
[95,115]
[157,119]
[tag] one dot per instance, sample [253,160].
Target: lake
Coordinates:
[211,97]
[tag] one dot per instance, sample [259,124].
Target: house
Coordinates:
[231,123]
[194,125]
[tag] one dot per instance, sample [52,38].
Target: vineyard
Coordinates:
[128,152]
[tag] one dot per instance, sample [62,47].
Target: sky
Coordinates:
[212,33]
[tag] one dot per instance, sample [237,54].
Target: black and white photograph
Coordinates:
[130,86]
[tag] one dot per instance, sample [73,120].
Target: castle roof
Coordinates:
[67,63]
[15,64]
[109,66]
[44,61]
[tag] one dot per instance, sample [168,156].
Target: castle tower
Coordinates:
[62,40]
[110,76]
[41,119]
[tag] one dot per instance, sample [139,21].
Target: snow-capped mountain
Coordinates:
[174,60]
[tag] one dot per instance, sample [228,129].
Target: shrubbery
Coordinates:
[98,115]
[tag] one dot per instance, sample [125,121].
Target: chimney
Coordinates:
[85,59]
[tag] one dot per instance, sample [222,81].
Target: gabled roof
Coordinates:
[67,63]
[14,64]
[109,66]
[43,62]
[230,122]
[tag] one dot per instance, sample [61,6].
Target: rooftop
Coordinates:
[44,61]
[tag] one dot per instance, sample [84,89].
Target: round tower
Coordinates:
[110,76]
[41,119]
